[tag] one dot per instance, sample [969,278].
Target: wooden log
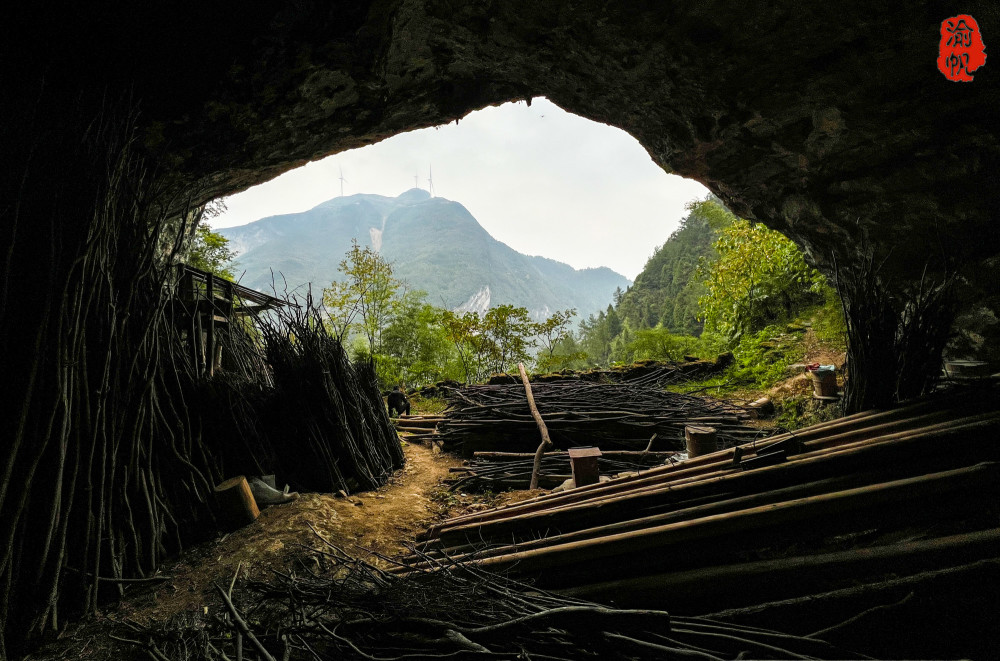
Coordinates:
[236,502]
[500,457]
[409,421]
[414,430]
[542,429]
[676,539]
[956,617]
[855,421]
[910,447]
[685,472]
[685,514]
[733,586]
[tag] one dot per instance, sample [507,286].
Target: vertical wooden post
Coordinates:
[583,461]
[200,339]
[700,440]
[210,349]
[542,429]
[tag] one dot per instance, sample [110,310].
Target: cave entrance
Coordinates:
[536,177]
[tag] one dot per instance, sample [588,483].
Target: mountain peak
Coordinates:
[413,196]
[434,244]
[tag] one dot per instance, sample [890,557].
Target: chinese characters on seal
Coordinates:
[961,50]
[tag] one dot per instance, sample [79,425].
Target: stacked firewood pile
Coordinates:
[642,371]
[854,514]
[345,608]
[500,471]
[612,416]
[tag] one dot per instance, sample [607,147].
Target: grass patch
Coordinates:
[427,405]
[797,412]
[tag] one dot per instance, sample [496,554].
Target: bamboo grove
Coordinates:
[114,441]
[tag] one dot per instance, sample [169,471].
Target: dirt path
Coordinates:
[382,521]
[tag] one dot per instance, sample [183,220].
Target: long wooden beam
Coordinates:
[982,480]
[732,586]
[903,446]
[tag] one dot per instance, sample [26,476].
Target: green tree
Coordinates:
[416,345]
[595,339]
[660,344]
[760,278]
[551,333]
[465,332]
[509,331]
[366,299]
[210,252]
[568,354]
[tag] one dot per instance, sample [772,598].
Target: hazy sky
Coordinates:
[541,180]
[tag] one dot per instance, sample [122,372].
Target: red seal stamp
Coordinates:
[961,50]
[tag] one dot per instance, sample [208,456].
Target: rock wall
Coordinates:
[815,118]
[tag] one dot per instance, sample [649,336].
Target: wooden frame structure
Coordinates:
[209,303]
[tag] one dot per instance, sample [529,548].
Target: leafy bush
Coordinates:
[760,278]
[660,344]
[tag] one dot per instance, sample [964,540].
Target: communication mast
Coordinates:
[415,183]
[430,179]
[342,180]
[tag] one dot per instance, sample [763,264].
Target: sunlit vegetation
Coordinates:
[413,342]
[720,283]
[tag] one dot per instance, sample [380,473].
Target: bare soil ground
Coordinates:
[382,522]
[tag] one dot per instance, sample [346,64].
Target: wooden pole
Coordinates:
[542,429]
[748,583]
[210,349]
[606,507]
[680,537]
[716,464]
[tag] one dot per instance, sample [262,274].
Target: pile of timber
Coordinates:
[421,428]
[612,416]
[501,471]
[643,371]
[854,511]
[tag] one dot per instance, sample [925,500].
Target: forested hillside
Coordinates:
[718,283]
[666,292]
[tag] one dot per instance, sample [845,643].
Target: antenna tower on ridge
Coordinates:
[430,179]
[415,183]
[342,180]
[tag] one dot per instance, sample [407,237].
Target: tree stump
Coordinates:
[236,502]
[700,440]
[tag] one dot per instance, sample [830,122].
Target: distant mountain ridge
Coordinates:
[434,244]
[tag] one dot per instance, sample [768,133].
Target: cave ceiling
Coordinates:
[815,118]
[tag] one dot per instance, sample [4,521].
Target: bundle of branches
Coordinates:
[500,471]
[293,404]
[896,331]
[325,414]
[352,610]
[115,442]
[646,372]
[103,472]
[610,416]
